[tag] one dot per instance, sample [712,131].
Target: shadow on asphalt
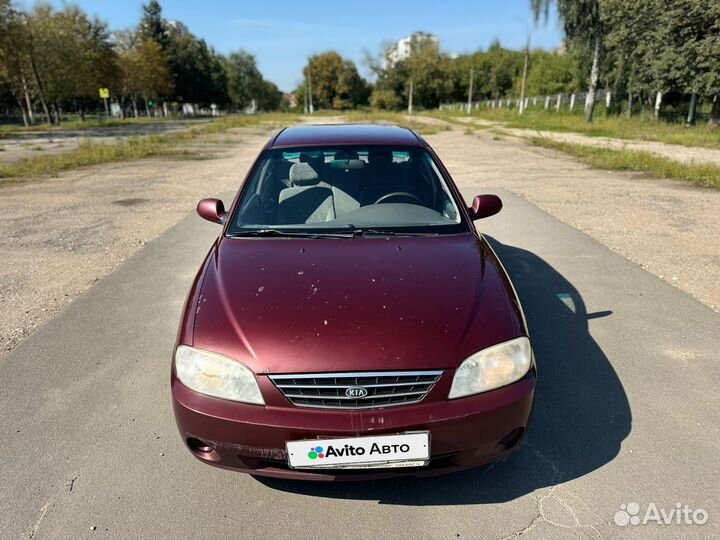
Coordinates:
[581,411]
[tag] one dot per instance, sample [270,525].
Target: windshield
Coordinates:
[377,188]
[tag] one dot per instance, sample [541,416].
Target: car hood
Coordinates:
[364,304]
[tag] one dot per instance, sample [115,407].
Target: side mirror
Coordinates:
[485,206]
[212,210]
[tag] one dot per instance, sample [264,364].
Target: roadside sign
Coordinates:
[104,93]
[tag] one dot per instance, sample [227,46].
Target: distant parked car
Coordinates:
[349,322]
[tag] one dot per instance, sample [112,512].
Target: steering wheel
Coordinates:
[394,194]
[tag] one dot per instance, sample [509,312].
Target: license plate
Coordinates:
[401,450]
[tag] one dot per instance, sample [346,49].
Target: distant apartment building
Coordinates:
[402,49]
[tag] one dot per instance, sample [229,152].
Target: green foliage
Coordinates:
[60,58]
[152,26]
[552,73]
[664,45]
[197,70]
[245,84]
[385,99]
[335,82]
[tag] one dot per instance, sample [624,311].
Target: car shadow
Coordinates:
[581,414]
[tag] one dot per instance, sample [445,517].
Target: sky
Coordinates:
[282,34]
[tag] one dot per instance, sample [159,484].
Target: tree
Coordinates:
[198,71]
[152,76]
[14,68]
[269,97]
[552,73]
[661,46]
[70,56]
[427,68]
[584,27]
[385,99]
[336,83]
[244,79]
[152,25]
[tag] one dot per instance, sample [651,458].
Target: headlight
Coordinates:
[216,375]
[491,368]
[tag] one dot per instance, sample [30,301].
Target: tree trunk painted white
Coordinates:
[470,89]
[608,98]
[658,104]
[547,102]
[559,102]
[310,95]
[410,98]
[28,101]
[572,101]
[715,111]
[24,112]
[692,109]
[523,106]
[594,77]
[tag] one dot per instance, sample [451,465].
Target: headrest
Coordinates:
[303,174]
[345,154]
[380,156]
[316,162]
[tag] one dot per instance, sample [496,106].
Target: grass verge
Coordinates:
[641,128]
[633,160]
[90,152]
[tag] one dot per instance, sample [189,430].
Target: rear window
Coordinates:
[344,188]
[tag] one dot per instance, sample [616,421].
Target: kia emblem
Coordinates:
[356,392]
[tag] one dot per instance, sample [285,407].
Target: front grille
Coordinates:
[384,388]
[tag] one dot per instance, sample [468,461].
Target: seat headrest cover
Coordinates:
[380,156]
[346,154]
[303,173]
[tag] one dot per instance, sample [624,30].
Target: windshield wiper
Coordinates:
[352,233]
[379,232]
[278,233]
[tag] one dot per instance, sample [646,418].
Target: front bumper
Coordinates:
[465,432]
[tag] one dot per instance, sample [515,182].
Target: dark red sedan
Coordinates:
[349,322]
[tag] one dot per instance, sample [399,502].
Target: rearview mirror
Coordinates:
[212,210]
[485,206]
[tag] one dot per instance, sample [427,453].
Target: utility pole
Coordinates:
[470,88]
[312,110]
[410,97]
[521,109]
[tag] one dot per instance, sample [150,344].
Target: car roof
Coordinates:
[344,134]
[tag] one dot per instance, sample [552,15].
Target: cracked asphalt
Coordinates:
[626,411]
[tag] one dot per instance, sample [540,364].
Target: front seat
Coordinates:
[384,177]
[308,200]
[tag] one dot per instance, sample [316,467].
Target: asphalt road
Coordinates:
[627,411]
[28,144]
